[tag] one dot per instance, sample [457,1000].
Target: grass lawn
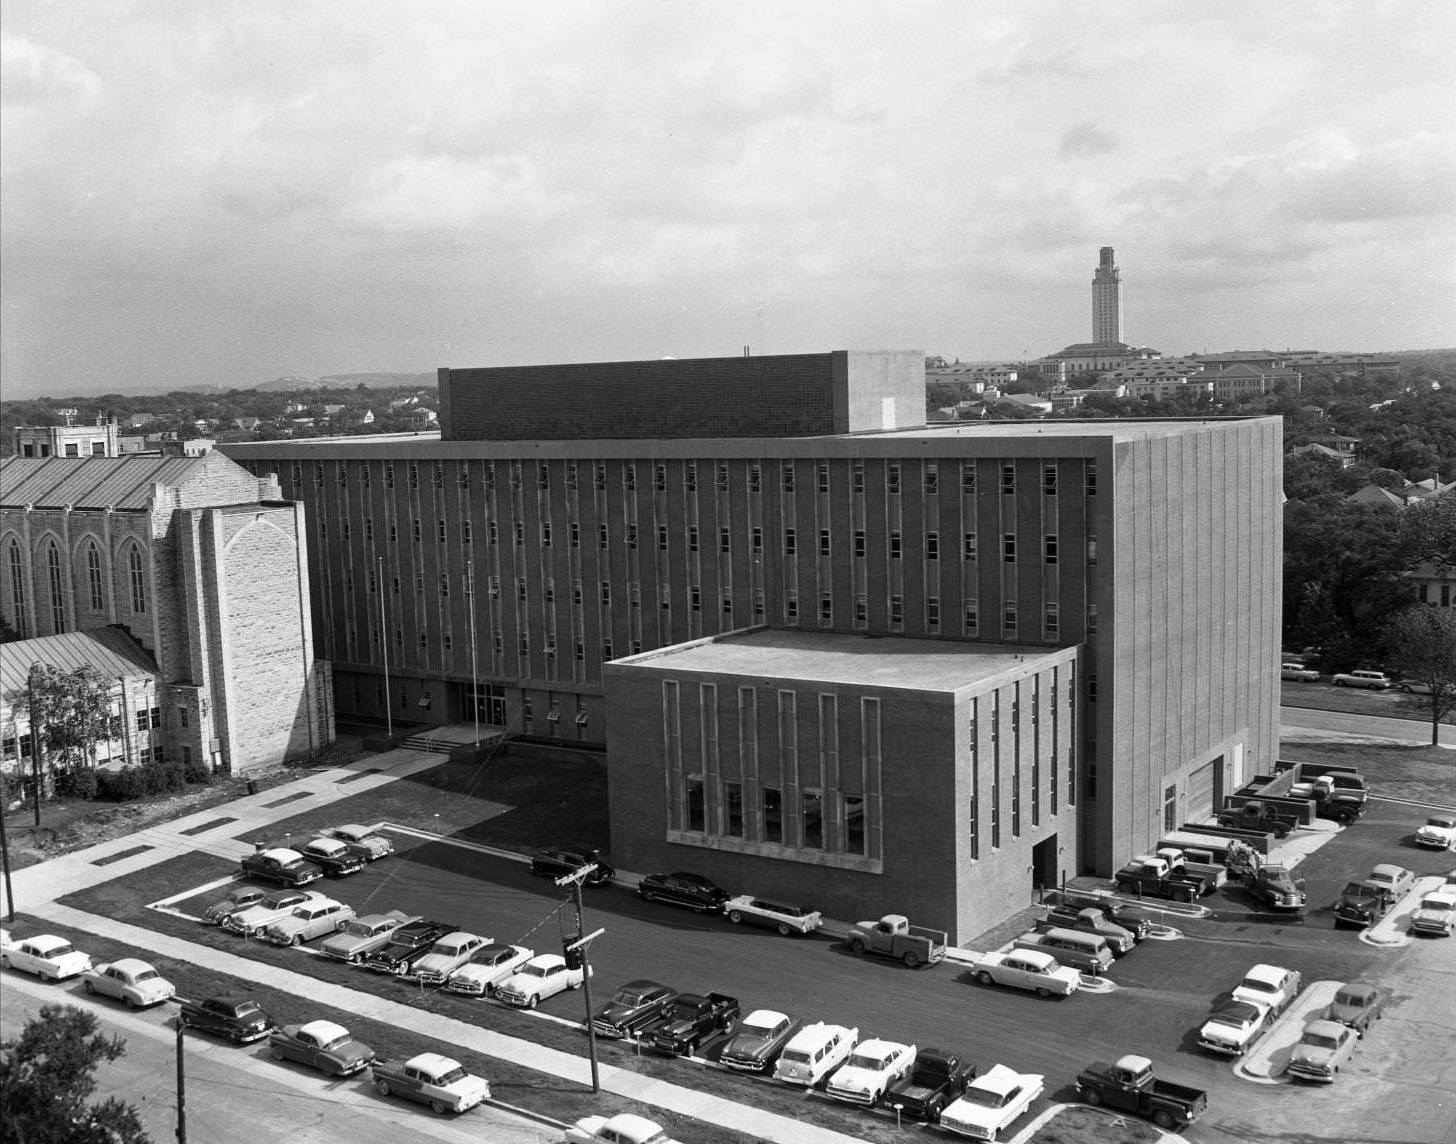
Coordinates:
[1077,1125]
[125,899]
[1417,774]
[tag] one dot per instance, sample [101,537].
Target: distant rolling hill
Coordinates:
[347,381]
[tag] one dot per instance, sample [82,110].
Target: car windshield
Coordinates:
[1357,890]
[1443,823]
[762,1030]
[337,1043]
[1320,1041]
[985,1098]
[796,1056]
[864,1061]
[537,970]
[60,950]
[1436,905]
[495,954]
[1236,1015]
[630,996]
[1350,1000]
[1260,986]
[245,1008]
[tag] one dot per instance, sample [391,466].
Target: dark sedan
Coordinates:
[282,865]
[632,1008]
[408,944]
[683,889]
[554,861]
[321,1045]
[239,1019]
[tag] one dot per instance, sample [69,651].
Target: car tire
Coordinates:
[276,1051]
[1182,896]
[381,1086]
[785,929]
[1092,1097]
[645,895]
[856,946]
[1043,992]
[1163,1119]
[531,1001]
[129,1002]
[1338,682]
[735,917]
[985,978]
[1125,888]
[576,984]
[439,1107]
[911,959]
[4,962]
[297,939]
[86,985]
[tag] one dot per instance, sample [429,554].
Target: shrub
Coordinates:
[76,782]
[120,786]
[196,771]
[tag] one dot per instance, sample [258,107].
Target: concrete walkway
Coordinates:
[37,889]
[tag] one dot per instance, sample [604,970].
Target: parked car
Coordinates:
[321,1045]
[632,1008]
[869,1070]
[1118,939]
[554,861]
[49,957]
[335,856]
[1361,903]
[813,1053]
[1324,1047]
[1130,1084]
[937,1079]
[239,1019]
[681,888]
[1436,913]
[491,966]
[447,955]
[308,921]
[360,937]
[1232,1027]
[1030,969]
[406,945]
[129,980]
[691,1020]
[545,975]
[1356,1005]
[760,1038]
[1437,833]
[1375,680]
[1137,920]
[366,841]
[991,1103]
[238,898]
[280,864]
[623,1128]
[1298,671]
[785,918]
[268,909]
[894,936]
[1269,985]
[1396,880]
[432,1079]
[1413,686]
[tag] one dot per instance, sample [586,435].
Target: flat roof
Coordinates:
[888,662]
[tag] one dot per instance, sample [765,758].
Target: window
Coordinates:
[725,539]
[571,477]
[791,604]
[1049,480]
[599,478]
[787,472]
[1051,620]
[609,652]
[389,475]
[1092,548]
[1008,547]
[696,811]
[437,478]
[932,480]
[854,827]
[857,479]
[812,804]
[824,542]
[545,534]
[755,479]
[393,532]
[520,587]
[823,475]
[182,717]
[861,612]
[690,477]
[442,531]
[138,580]
[1091,678]
[727,604]
[897,610]
[1008,479]
[756,541]
[733,809]
[368,525]
[932,546]
[791,542]
[414,475]
[1091,478]
[629,477]
[57,586]
[968,477]
[543,477]
[366,476]
[859,543]
[462,479]
[932,612]
[895,546]
[602,536]
[972,617]
[1170,809]
[695,598]
[416,531]
[632,536]
[692,538]
[444,584]
[659,478]
[759,605]
[968,546]
[892,478]
[93,577]
[826,609]
[720,478]
[662,538]
[606,593]
[773,814]
[1008,618]
[1049,549]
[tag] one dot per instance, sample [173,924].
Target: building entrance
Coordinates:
[1044,864]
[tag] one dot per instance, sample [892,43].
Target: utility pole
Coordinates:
[35,770]
[384,649]
[5,860]
[181,1086]
[579,944]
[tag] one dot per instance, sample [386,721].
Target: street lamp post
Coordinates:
[582,943]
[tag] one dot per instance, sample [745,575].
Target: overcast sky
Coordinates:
[224,193]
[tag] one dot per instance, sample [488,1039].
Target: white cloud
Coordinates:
[35,74]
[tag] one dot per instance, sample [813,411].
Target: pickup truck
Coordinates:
[1257,815]
[1092,921]
[1275,886]
[1362,903]
[894,936]
[1027,969]
[937,1079]
[1130,1085]
[431,1079]
[1150,876]
[692,1019]
[1338,792]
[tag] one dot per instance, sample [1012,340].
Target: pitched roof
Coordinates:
[110,650]
[89,482]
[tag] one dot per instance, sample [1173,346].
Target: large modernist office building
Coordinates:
[830,650]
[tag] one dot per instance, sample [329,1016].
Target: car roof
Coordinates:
[326,843]
[1266,972]
[324,1030]
[765,1017]
[45,941]
[1036,956]
[1389,870]
[880,1046]
[1440,894]
[1327,1028]
[632,1126]
[131,965]
[283,854]
[432,1062]
[1358,989]
[546,959]
[998,1079]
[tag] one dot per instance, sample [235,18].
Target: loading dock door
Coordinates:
[1201,786]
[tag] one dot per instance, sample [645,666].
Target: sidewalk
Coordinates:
[214,831]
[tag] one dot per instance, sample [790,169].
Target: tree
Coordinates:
[70,712]
[1422,649]
[47,1077]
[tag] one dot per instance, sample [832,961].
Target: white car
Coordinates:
[991,1102]
[1032,969]
[813,1053]
[49,957]
[132,982]
[1298,671]
[624,1128]
[447,955]
[776,915]
[491,966]
[870,1070]
[1375,680]
[545,975]
[275,906]
[1438,833]
[365,841]
[1268,985]
[311,919]
[1232,1027]
[1436,914]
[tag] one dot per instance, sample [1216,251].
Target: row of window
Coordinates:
[56,576]
[788,477]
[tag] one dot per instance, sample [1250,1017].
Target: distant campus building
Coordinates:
[833,653]
[186,580]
